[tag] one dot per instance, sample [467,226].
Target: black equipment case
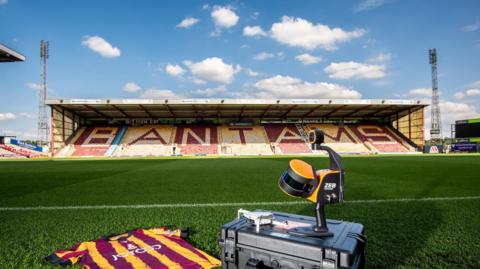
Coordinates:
[272,247]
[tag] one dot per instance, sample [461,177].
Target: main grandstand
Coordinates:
[157,127]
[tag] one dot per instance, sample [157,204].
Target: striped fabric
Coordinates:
[156,248]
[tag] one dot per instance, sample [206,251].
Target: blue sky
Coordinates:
[249,49]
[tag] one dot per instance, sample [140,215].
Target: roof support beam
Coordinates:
[195,111]
[288,111]
[217,109]
[377,111]
[96,111]
[121,111]
[171,111]
[409,109]
[146,111]
[333,111]
[242,110]
[311,111]
[356,111]
[66,109]
[265,111]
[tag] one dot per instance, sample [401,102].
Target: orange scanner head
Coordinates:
[299,179]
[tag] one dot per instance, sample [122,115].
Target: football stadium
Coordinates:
[117,165]
[213,179]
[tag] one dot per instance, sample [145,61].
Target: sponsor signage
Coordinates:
[356,102]
[399,102]
[433,149]
[137,101]
[194,101]
[305,101]
[464,147]
[85,101]
[25,145]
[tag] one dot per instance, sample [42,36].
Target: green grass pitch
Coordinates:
[413,234]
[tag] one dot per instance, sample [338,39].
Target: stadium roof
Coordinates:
[9,55]
[266,109]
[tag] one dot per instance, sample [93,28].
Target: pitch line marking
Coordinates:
[179,205]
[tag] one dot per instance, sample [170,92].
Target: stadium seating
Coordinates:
[198,139]
[148,140]
[116,141]
[19,151]
[286,139]
[5,153]
[379,138]
[209,139]
[340,138]
[94,141]
[67,150]
[244,140]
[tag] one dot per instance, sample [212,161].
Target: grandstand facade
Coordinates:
[152,127]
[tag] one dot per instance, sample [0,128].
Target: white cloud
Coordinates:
[420,92]
[7,116]
[174,70]
[308,59]
[27,115]
[255,15]
[154,93]
[459,95]
[475,84]
[470,92]
[263,56]
[453,111]
[101,46]
[198,81]
[205,6]
[209,92]
[213,69]
[253,31]
[354,70]
[381,58]
[188,22]
[299,32]
[473,92]
[366,5]
[251,73]
[216,33]
[131,87]
[291,87]
[24,135]
[472,27]
[33,86]
[381,83]
[224,17]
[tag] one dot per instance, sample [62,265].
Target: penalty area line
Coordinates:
[279,203]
